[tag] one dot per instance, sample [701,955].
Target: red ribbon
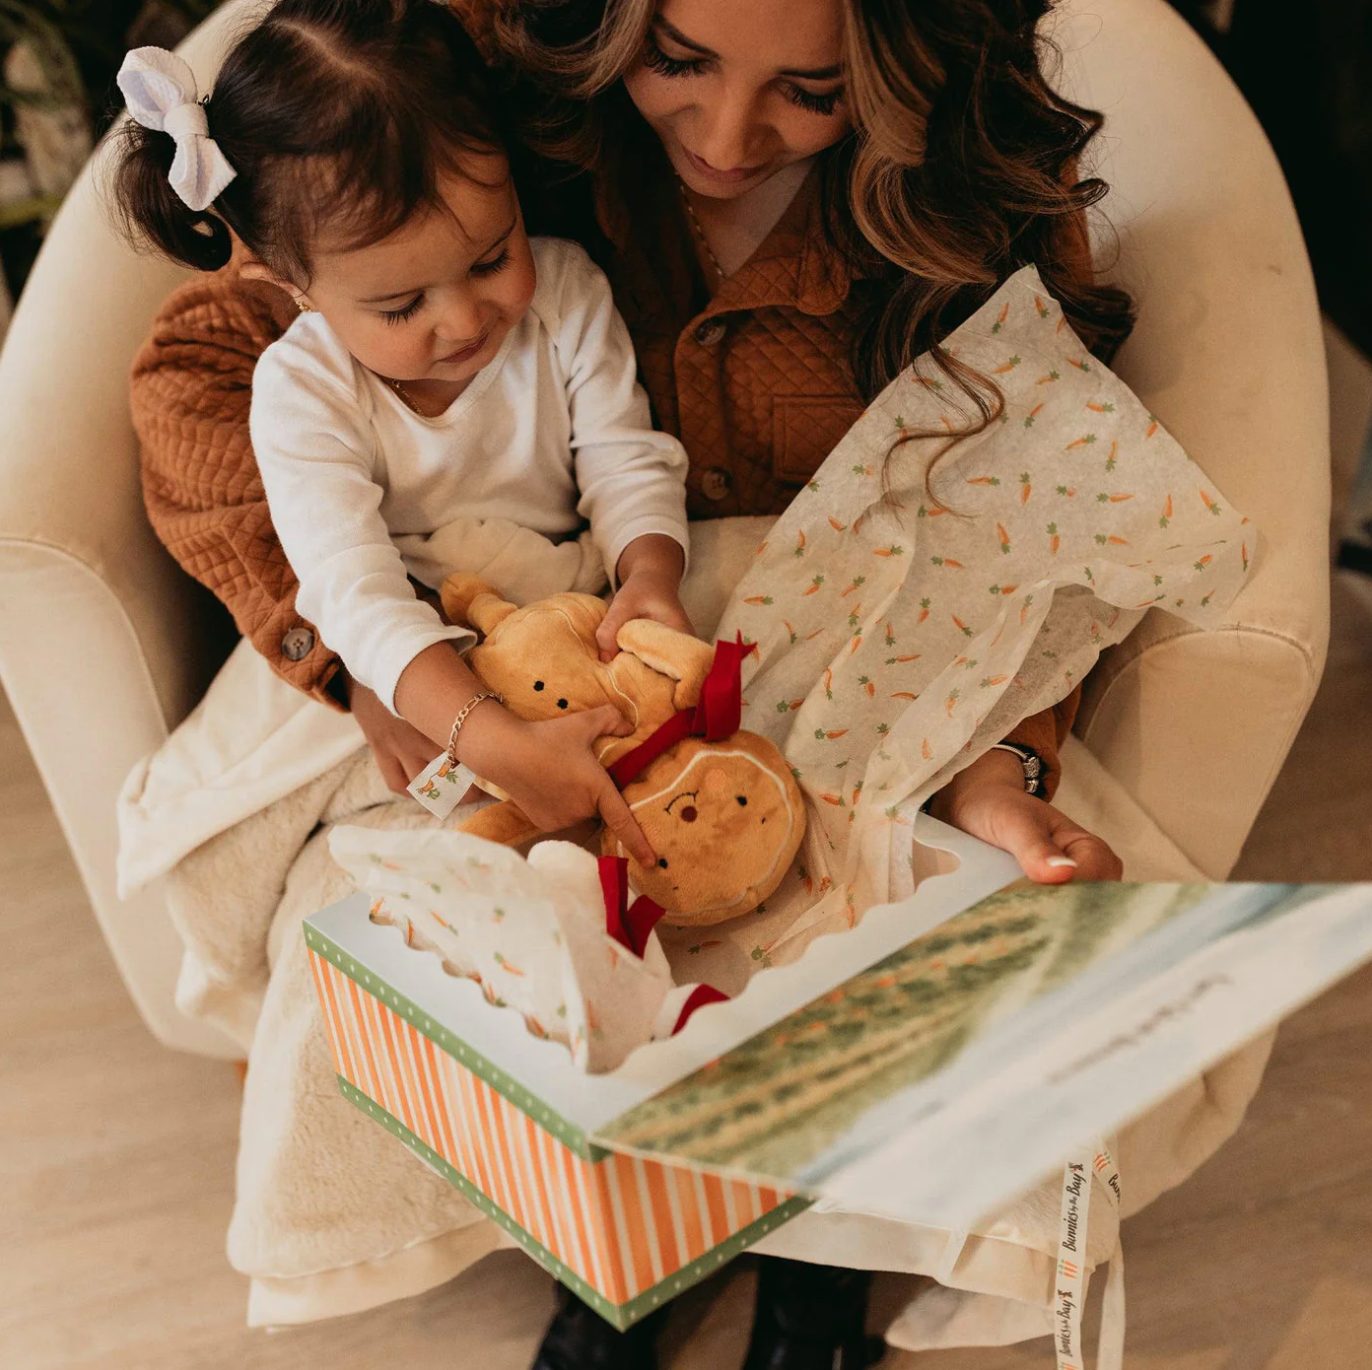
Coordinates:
[629,925]
[698,998]
[715,717]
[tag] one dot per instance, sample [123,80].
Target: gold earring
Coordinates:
[303,307]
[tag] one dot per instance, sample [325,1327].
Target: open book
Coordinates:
[952,1074]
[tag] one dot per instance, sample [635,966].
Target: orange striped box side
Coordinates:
[623,1224]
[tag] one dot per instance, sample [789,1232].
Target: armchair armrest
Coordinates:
[104,643]
[1196,727]
[1228,353]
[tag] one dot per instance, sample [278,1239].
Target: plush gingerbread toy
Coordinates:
[725,818]
[723,813]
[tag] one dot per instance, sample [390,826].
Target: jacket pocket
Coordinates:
[805,429]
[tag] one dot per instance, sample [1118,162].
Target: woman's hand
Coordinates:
[649,574]
[401,750]
[988,801]
[550,768]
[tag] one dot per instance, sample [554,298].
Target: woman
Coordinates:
[792,199]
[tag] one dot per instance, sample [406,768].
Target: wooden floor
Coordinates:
[116,1156]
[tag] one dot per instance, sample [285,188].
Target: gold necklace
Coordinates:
[700,232]
[408,399]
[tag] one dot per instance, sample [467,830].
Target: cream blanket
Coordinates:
[331,1216]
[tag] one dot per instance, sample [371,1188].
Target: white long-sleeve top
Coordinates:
[553,432]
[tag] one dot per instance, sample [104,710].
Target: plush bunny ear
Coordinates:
[460,592]
[488,611]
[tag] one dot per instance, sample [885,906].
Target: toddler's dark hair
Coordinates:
[336,115]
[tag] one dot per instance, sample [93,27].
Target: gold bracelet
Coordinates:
[462,718]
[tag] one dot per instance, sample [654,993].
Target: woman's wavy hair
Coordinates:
[961,167]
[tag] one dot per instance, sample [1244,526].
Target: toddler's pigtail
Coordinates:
[153,214]
[172,170]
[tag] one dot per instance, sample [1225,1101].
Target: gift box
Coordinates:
[509,1120]
[927,1065]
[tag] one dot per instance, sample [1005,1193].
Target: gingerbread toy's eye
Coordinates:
[742,800]
[538,684]
[561,703]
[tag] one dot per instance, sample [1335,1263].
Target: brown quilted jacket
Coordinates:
[756,382]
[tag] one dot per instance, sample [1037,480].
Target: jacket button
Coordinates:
[711,332]
[297,644]
[715,482]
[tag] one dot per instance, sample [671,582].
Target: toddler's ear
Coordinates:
[255,269]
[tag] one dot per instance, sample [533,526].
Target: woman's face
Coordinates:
[738,89]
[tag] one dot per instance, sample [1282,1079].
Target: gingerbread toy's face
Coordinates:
[540,661]
[703,800]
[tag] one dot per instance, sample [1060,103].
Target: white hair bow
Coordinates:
[160,91]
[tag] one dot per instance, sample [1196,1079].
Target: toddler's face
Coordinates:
[434,300]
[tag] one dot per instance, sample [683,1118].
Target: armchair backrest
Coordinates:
[103,640]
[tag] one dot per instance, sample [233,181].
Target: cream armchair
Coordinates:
[105,645]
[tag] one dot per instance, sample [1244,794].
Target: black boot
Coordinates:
[811,1317]
[578,1338]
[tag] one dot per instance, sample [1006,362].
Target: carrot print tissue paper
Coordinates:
[908,613]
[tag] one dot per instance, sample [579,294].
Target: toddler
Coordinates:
[448,375]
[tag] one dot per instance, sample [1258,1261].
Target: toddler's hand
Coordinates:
[649,581]
[401,750]
[550,770]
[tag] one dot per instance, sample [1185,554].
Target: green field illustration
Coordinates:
[774,1103]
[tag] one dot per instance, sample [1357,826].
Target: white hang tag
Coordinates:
[441,785]
[1070,1284]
